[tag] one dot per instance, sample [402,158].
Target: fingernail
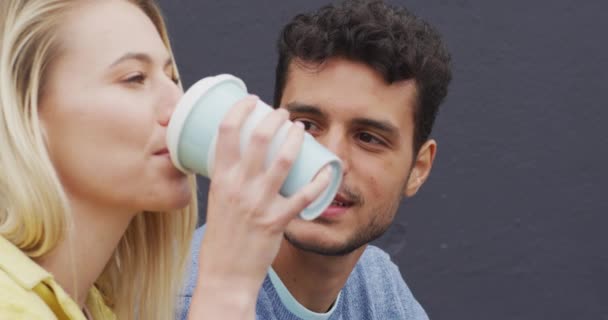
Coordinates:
[300,124]
[253,98]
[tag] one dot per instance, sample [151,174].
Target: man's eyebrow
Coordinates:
[380,125]
[142,57]
[296,107]
[386,127]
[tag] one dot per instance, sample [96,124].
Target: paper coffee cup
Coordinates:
[193,129]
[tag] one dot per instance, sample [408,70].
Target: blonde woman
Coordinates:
[95,221]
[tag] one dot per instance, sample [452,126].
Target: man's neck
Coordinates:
[314,280]
[80,257]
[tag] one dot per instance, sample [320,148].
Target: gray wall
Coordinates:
[510,225]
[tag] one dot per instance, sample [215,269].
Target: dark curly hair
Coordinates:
[389,39]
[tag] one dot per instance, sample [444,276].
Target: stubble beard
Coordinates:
[362,235]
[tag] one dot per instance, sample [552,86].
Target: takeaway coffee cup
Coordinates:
[192,139]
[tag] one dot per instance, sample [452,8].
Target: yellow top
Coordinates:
[27,291]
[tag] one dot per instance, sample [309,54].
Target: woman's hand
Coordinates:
[246,215]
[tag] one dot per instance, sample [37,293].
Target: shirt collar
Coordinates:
[290,302]
[21,268]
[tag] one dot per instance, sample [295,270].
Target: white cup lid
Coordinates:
[184,107]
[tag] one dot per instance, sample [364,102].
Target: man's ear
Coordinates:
[421,168]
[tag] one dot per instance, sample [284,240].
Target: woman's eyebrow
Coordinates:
[142,57]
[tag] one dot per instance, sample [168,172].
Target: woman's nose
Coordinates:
[170,97]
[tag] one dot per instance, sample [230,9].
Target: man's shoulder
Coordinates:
[192,268]
[375,269]
[375,263]
[196,241]
[375,254]
[377,283]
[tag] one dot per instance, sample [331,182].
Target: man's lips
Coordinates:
[338,207]
[341,201]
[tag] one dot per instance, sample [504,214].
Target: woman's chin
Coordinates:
[171,201]
[168,206]
[180,202]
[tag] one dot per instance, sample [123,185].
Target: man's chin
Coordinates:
[331,240]
[325,249]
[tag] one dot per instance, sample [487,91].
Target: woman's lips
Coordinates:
[162,152]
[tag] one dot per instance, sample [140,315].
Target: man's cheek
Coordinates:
[373,187]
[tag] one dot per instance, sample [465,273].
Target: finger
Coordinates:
[257,151]
[227,151]
[305,196]
[283,161]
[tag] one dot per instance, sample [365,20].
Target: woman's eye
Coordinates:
[139,78]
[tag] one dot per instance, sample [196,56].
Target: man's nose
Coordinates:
[336,141]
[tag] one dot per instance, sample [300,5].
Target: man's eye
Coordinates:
[369,138]
[308,125]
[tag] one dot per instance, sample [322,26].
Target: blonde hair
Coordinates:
[143,278]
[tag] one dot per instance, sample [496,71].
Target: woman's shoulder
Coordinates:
[18,303]
[18,277]
[98,307]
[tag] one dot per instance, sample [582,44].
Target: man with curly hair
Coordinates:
[366,79]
